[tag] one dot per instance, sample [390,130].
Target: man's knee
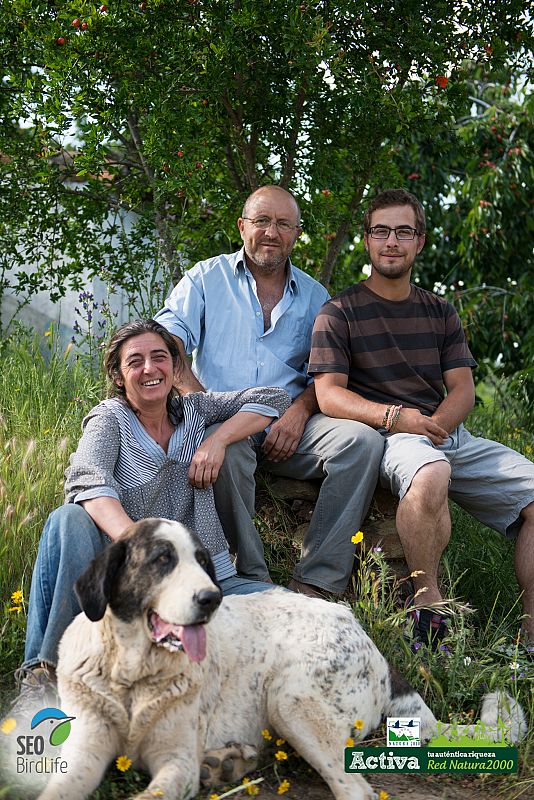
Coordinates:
[430,485]
[346,437]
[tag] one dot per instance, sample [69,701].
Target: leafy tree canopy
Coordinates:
[131,134]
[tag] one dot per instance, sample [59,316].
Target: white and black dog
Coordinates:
[152,672]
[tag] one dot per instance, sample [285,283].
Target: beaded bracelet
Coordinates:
[395,417]
[392,417]
[386,415]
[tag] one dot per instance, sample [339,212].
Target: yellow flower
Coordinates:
[349,742]
[157,793]
[252,789]
[281,755]
[214,797]
[123,763]
[280,742]
[15,609]
[8,725]
[17,598]
[358,724]
[266,735]
[357,538]
[283,787]
[383,796]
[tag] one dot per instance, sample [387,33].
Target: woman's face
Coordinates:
[146,370]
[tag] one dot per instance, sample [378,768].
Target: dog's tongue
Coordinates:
[193,638]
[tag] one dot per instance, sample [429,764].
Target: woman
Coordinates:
[141,455]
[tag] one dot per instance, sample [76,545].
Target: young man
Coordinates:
[394,356]
[247,318]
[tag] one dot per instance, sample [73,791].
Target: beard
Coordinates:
[267,263]
[392,271]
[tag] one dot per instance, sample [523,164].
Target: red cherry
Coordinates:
[166,168]
[84,26]
[441,81]
[60,40]
[198,165]
[180,153]
[103,8]
[76,23]
[326,192]
[142,6]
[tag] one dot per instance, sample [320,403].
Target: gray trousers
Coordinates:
[343,453]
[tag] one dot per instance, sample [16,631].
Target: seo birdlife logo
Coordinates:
[52,728]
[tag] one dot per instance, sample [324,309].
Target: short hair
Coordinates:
[270,186]
[112,357]
[395,197]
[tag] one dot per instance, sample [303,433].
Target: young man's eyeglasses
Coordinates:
[265,222]
[402,233]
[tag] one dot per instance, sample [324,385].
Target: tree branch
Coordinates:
[289,166]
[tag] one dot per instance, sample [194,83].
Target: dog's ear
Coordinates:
[93,587]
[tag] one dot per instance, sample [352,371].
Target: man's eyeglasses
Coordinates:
[403,233]
[265,222]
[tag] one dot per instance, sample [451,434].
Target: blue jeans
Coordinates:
[69,543]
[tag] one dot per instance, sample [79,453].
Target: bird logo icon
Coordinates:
[57,720]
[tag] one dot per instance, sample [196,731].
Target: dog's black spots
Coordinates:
[93,588]
[399,685]
[204,559]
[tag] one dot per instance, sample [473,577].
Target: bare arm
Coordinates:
[337,401]
[206,462]
[184,378]
[108,514]
[460,398]
[285,434]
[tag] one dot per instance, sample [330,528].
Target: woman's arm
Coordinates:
[207,461]
[108,514]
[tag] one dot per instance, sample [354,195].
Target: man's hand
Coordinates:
[285,434]
[206,462]
[411,420]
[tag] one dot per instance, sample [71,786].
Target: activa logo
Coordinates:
[52,727]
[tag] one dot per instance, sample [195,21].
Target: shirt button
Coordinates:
[258,313]
[262,364]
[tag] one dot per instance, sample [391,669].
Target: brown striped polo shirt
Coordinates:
[392,351]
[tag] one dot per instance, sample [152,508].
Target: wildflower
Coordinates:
[283,787]
[281,755]
[467,660]
[441,82]
[358,724]
[15,609]
[514,665]
[280,742]
[357,538]
[123,763]
[214,797]
[17,597]
[266,735]
[8,725]
[383,796]
[349,742]
[251,788]
[157,793]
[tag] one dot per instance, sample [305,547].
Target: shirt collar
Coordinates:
[292,282]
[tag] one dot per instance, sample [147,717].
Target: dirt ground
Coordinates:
[407,787]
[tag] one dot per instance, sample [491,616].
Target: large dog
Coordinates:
[152,672]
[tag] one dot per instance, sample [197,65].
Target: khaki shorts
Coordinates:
[488,479]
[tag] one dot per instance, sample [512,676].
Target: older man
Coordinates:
[247,318]
[394,356]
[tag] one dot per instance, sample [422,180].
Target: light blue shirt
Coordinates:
[215,311]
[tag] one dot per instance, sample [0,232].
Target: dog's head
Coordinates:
[159,572]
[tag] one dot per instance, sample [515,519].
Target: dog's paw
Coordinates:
[504,714]
[227,764]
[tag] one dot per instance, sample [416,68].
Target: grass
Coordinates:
[43,400]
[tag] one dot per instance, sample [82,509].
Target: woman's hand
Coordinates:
[206,462]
